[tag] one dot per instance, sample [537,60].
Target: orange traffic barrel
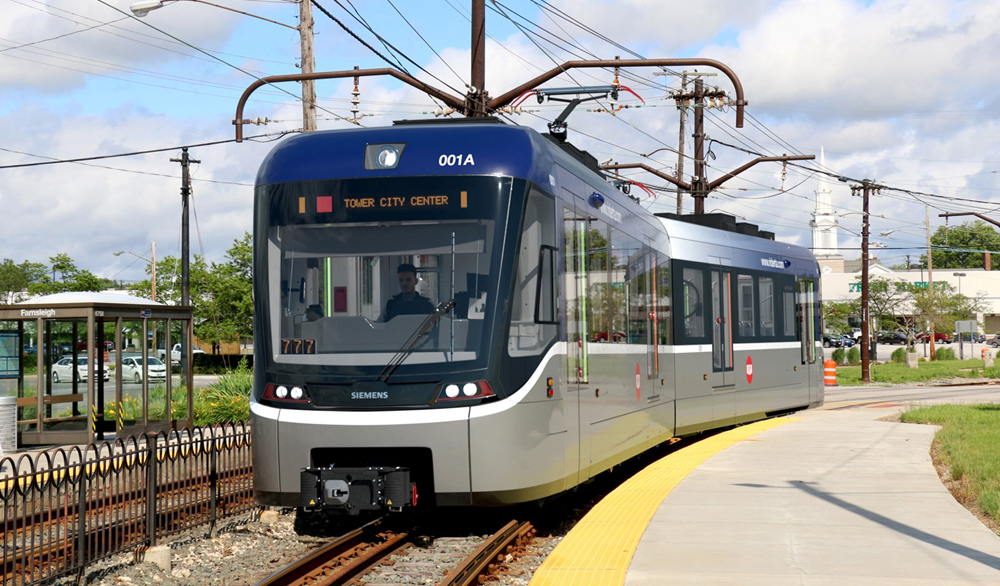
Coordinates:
[830,373]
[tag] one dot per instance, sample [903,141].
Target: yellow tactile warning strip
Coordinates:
[598,551]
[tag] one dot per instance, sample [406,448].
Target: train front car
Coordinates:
[385,289]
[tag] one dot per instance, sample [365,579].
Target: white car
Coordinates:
[62,371]
[132,369]
[175,353]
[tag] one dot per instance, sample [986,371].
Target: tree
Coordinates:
[16,279]
[963,245]
[221,293]
[836,314]
[71,278]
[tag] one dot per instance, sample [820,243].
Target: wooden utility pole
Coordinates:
[308,66]
[477,93]
[700,192]
[930,276]
[865,317]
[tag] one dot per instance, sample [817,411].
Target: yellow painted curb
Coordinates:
[599,549]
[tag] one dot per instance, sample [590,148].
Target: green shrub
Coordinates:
[229,398]
[898,355]
[945,354]
[854,355]
[839,355]
[219,363]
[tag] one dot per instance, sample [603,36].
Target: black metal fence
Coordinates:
[66,508]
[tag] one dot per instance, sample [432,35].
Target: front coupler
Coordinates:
[353,490]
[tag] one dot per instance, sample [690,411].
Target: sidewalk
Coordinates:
[834,498]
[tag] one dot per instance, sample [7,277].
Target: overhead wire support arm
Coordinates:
[239,121]
[506,98]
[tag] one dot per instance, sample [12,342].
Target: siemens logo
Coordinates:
[369,395]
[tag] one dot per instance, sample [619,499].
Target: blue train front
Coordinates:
[362,383]
[437,322]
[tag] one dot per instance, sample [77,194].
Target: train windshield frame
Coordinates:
[339,293]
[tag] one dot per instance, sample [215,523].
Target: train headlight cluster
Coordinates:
[476,390]
[284,393]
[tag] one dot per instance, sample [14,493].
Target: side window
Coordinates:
[662,301]
[598,303]
[636,305]
[545,300]
[691,306]
[765,306]
[788,318]
[528,337]
[745,306]
[806,311]
[620,251]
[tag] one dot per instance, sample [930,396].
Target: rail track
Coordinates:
[377,556]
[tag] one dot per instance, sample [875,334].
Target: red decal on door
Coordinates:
[749,371]
[638,385]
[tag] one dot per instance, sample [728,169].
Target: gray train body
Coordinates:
[585,330]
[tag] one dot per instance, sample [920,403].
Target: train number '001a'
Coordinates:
[297,346]
[459,160]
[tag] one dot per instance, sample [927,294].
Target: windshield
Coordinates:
[355,267]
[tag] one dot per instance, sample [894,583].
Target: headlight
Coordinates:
[451,391]
[296,393]
[281,392]
[469,389]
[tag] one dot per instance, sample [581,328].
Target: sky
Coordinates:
[902,92]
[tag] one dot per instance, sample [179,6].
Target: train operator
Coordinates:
[408,302]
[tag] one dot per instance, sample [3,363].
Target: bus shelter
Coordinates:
[90,364]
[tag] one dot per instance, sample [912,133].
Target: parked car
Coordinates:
[854,334]
[132,369]
[30,350]
[175,353]
[833,340]
[994,341]
[970,337]
[616,336]
[848,342]
[62,371]
[891,337]
[939,337]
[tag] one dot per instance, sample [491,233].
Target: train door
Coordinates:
[806,312]
[723,384]
[575,286]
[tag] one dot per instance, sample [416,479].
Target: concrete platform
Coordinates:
[833,498]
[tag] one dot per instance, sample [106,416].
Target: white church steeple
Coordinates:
[824,223]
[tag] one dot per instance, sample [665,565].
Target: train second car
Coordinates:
[467,314]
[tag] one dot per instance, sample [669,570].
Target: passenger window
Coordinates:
[788,310]
[745,306]
[765,296]
[693,300]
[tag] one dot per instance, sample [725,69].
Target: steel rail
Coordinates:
[479,564]
[316,567]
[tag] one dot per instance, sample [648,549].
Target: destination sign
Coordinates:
[414,201]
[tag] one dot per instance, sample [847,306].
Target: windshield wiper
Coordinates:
[411,343]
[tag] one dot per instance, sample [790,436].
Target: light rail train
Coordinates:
[467,313]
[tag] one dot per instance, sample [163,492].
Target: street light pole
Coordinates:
[151,261]
[305,29]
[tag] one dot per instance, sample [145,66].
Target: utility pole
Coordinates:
[308,66]
[186,329]
[699,193]
[477,96]
[930,275]
[683,101]
[185,162]
[866,188]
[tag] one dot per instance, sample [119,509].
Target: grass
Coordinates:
[969,444]
[892,372]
